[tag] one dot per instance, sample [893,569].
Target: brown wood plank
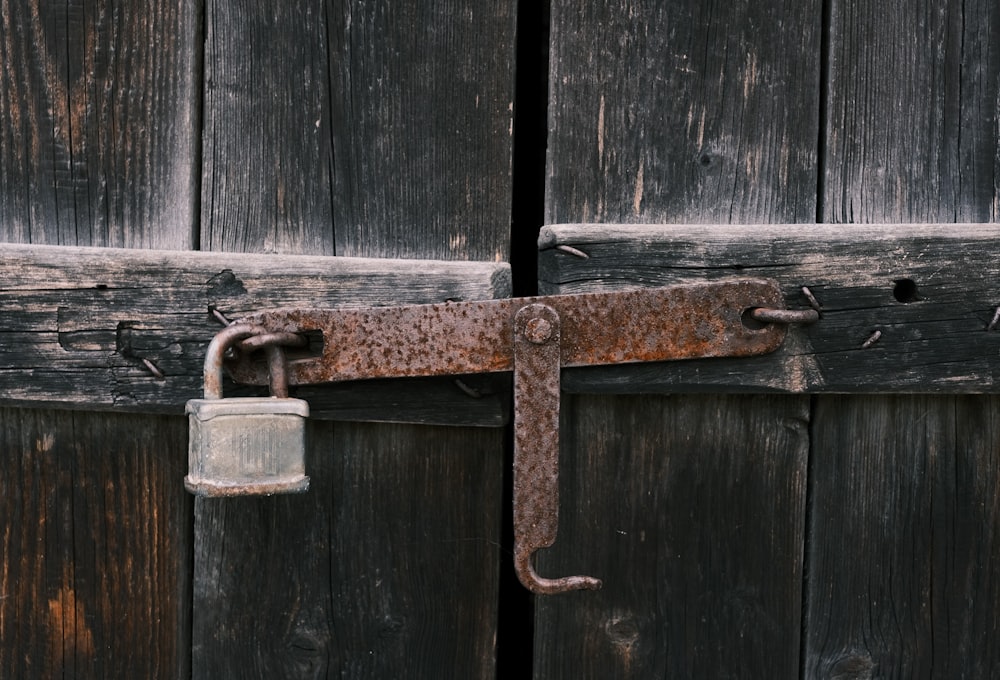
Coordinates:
[932,310]
[680,112]
[908,482]
[95,579]
[364,130]
[99,110]
[80,323]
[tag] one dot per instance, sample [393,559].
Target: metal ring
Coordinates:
[784,316]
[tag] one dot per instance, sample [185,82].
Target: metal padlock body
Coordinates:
[247,445]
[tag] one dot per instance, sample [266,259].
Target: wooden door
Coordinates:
[772,535]
[738,535]
[292,128]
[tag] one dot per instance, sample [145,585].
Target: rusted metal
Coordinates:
[216,352]
[454,338]
[536,446]
[255,342]
[784,316]
[533,337]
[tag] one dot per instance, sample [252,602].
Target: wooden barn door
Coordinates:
[375,129]
[768,535]
[762,535]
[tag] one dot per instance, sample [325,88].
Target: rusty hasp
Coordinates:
[454,338]
[534,338]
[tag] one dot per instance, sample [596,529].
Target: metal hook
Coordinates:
[536,446]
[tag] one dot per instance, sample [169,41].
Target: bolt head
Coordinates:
[538,331]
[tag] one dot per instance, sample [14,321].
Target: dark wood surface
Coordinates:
[932,312]
[81,323]
[662,499]
[95,579]
[680,112]
[385,131]
[98,146]
[366,130]
[903,538]
[99,106]
[348,129]
[903,535]
[386,568]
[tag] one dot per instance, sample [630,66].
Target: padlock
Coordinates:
[247,445]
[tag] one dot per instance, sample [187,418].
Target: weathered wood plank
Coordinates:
[931,309]
[910,481]
[399,588]
[96,544]
[666,546]
[679,112]
[99,122]
[905,534]
[80,322]
[99,118]
[334,164]
[377,130]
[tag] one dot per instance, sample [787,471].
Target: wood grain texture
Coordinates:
[931,309]
[377,130]
[386,568]
[905,539]
[99,106]
[97,543]
[662,499]
[911,113]
[80,322]
[681,112]
[910,482]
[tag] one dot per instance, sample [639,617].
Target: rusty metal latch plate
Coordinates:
[453,338]
[534,338]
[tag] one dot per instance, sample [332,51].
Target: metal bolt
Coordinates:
[538,331]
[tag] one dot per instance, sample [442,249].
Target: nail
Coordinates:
[995,320]
[220,317]
[872,339]
[157,373]
[813,302]
[573,251]
[470,391]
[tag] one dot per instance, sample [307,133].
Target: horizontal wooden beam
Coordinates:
[904,307]
[118,329]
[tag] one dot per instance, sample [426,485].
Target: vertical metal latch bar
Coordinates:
[536,446]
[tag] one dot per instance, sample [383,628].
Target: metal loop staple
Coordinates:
[784,316]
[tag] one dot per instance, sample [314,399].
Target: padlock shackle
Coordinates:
[216,354]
